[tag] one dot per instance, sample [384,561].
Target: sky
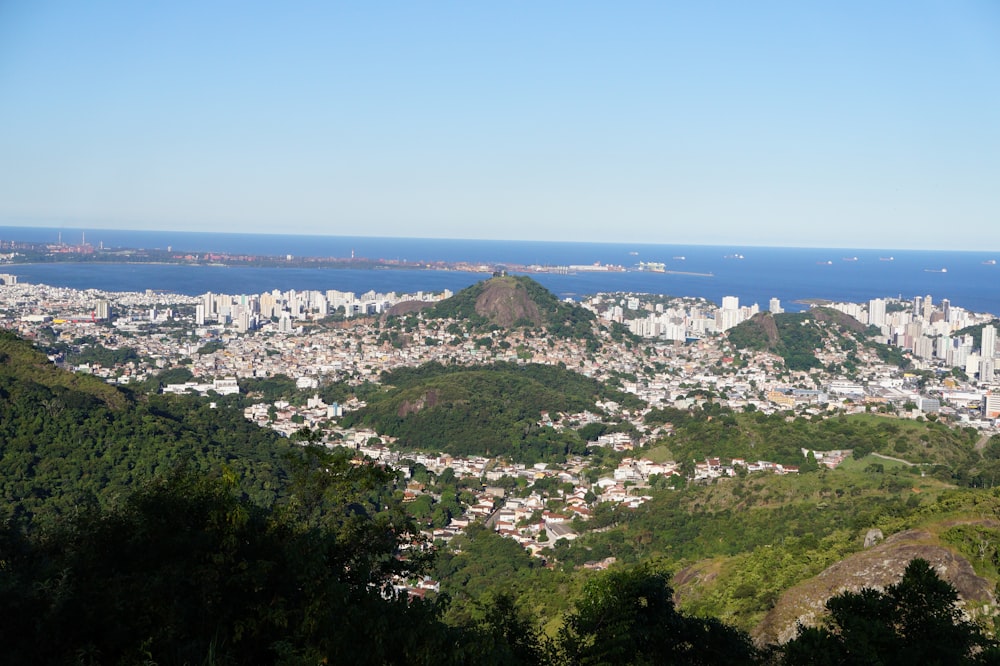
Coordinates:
[779,123]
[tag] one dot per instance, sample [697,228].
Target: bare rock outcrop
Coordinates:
[881,565]
[505,301]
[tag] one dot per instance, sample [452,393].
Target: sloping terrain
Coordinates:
[877,567]
[514,302]
[796,336]
[69,439]
[490,410]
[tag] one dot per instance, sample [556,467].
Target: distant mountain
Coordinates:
[513,302]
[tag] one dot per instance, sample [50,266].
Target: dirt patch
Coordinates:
[407,307]
[407,407]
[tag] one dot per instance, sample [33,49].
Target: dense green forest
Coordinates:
[72,439]
[487,410]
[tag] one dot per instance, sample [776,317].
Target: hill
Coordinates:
[70,440]
[877,567]
[491,410]
[976,331]
[712,430]
[796,336]
[514,302]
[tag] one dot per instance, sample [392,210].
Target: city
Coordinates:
[670,352]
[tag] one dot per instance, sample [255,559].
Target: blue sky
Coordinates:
[842,124]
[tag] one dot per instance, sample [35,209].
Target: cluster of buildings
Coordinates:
[930,331]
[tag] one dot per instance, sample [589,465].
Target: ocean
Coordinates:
[754,274]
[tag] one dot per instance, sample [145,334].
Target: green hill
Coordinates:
[488,410]
[796,336]
[712,430]
[70,440]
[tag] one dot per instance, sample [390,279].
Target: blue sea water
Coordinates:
[790,274]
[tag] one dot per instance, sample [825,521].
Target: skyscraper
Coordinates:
[989,345]
[876,312]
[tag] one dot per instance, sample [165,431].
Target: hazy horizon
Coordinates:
[84,230]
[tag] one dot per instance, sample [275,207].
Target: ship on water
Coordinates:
[935,270]
[887,258]
[990,262]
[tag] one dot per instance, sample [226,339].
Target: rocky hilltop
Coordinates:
[876,567]
[514,302]
[506,300]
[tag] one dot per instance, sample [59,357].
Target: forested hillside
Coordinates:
[488,410]
[795,337]
[73,439]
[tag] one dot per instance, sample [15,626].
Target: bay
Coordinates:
[754,274]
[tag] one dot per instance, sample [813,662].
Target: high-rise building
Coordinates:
[944,345]
[876,312]
[989,346]
[730,302]
[775,306]
[923,347]
[102,310]
[986,369]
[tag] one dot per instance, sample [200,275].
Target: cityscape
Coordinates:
[675,356]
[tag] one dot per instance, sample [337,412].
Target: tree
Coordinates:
[628,617]
[186,571]
[506,635]
[913,621]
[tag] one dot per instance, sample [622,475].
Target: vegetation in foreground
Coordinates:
[143,529]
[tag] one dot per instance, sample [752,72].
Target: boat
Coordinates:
[990,262]
[935,270]
[825,263]
[733,256]
[886,258]
[634,253]
[850,258]
[683,258]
